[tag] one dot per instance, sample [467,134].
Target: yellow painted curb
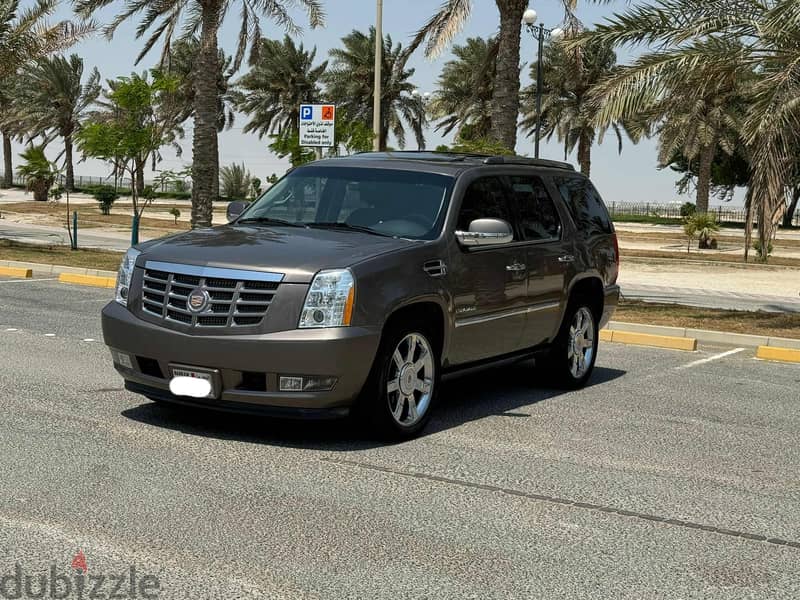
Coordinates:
[646,339]
[104,282]
[780,354]
[16,272]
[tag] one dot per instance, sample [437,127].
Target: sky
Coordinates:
[631,176]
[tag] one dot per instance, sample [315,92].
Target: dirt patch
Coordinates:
[60,255]
[670,315]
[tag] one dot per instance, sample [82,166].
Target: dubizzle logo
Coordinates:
[79,584]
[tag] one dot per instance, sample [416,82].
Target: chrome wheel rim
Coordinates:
[580,349]
[409,386]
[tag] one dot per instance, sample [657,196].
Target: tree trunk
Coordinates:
[204,144]
[787,217]
[505,99]
[585,154]
[70,178]
[8,167]
[704,177]
[139,178]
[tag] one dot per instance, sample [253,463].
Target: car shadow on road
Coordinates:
[506,391]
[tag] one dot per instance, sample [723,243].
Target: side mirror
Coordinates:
[235,208]
[486,232]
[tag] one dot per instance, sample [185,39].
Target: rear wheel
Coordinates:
[402,387]
[572,357]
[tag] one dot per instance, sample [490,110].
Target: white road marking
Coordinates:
[12,329]
[703,361]
[88,339]
[49,335]
[26,280]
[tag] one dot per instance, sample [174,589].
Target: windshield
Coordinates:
[389,202]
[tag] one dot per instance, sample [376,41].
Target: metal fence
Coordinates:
[724,214]
[88,181]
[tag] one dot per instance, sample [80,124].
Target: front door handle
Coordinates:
[567,258]
[516,267]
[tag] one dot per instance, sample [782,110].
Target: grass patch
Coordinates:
[89,215]
[734,321]
[60,255]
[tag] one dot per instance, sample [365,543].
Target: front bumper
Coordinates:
[249,365]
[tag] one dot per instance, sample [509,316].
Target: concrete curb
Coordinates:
[16,272]
[44,269]
[647,339]
[710,337]
[778,354]
[103,282]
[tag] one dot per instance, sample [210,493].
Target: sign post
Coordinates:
[317,125]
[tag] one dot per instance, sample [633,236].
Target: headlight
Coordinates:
[329,302]
[124,276]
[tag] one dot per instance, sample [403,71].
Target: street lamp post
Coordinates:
[540,34]
[376,94]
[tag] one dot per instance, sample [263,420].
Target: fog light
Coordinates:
[122,359]
[306,383]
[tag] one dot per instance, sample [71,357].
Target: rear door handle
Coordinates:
[516,267]
[567,258]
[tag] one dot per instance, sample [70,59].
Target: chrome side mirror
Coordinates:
[234,209]
[486,232]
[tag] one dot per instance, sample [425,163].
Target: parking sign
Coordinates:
[317,125]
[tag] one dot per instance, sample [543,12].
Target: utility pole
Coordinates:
[376,100]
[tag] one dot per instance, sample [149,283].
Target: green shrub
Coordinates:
[757,248]
[688,209]
[105,195]
[175,213]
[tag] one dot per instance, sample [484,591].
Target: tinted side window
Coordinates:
[584,204]
[538,215]
[485,198]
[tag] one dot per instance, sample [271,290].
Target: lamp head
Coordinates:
[529,17]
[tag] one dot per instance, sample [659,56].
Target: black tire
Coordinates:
[560,361]
[377,406]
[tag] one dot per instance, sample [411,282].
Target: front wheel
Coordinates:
[572,357]
[397,400]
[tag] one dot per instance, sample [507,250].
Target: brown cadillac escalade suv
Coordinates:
[353,284]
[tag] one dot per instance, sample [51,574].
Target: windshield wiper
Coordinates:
[268,221]
[347,227]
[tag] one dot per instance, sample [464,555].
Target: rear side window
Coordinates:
[584,204]
[538,215]
[485,198]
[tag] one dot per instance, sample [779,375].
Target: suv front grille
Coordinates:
[232,298]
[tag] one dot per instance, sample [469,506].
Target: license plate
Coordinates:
[208,376]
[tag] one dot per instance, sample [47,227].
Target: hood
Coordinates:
[297,252]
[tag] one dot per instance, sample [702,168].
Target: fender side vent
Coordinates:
[435,268]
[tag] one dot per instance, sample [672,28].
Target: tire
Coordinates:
[572,357]
[398,398]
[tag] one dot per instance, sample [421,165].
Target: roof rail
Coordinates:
[523,160]
[487,159]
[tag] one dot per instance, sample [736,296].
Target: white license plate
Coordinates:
[204,376]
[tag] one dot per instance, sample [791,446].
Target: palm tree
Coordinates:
[51,99]
[26,35]
[164,19]
[463,100]
[349,84]
[282,78]
[38,172]
[235,181]
[567,113]
[707,47]
[443,26]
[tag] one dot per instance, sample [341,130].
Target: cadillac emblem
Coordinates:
[198,300]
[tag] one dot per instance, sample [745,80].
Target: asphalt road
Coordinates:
[666,478]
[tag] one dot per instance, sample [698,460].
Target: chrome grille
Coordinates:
[237,298]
